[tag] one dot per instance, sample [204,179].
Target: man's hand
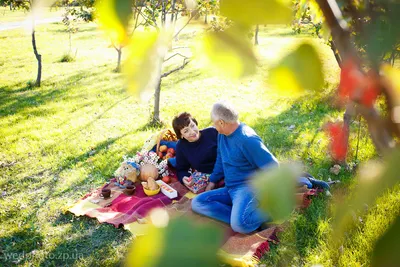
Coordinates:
[210,186]
[188,181]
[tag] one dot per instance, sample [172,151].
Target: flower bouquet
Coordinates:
[145,158]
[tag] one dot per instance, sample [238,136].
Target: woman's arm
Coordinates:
[182,164]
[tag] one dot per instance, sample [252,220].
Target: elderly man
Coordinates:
[240,153]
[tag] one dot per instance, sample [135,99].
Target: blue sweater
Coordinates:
[239,155]
[200,155]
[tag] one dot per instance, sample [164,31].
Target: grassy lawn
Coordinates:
[7,15]
[60,141]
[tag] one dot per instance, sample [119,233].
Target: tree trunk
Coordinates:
[156,113]
[38,58]
[335,52]
[163,13]
[119,51]
[205,19]
[173,11]
[256,35]
[70,42]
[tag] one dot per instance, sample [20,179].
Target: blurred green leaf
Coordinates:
[386,251]
[275,189]
[374,179]
[143,65]
[231,52]
[114,16]
[298,71]
[181,243]
[383,32]
[252,12]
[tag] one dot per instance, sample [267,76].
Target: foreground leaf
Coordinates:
[254,12]
[181,243]
[300,70]
[230,52]
[114,16]
[275,189]
[386,251]
[143,66]
[374,179]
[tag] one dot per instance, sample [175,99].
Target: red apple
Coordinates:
[160,155]
[169,155]
[166,179]
[171,151]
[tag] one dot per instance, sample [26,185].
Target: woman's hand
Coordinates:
[210,186]
[188,181]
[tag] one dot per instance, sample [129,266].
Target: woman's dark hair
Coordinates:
[181,121]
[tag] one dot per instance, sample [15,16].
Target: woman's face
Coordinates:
[191,132]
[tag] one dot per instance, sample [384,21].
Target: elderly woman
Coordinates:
[196,149]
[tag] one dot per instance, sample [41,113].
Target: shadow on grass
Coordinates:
[16,247]
[15,101]
[88,241]
[282,131]
[19,245]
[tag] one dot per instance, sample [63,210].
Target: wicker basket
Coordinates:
[155,139]
[166,135]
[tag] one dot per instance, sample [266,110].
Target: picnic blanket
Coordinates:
[129,212]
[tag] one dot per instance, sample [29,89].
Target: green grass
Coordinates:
[67,137]
[7,15]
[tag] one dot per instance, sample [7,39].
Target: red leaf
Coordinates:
[350,79]
[370,92]
[338,140]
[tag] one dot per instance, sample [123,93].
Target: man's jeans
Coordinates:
[236,206]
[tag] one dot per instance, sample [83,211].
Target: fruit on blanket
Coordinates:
[148,170]
[171,151]
[169,155]
[160,155]
[166,179]
[163,148]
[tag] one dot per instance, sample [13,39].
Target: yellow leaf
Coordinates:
[284,79]
[143,66]
[231,52]
[146,250]
[253,12]
[112,20]
[300,70]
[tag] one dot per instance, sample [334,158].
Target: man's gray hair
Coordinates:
[223,110]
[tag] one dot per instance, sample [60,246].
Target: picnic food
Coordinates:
[171,151]
[166,179]
[148,170]
[150,184]
[167,190]
[163,148]
[150,187]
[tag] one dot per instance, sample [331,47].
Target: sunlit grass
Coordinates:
[68,137]
[7,15]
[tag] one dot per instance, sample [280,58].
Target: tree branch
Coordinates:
[177,54]
[176,35]
[179,47]
[185,62]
